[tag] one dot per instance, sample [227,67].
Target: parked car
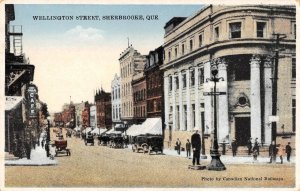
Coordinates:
[89,139]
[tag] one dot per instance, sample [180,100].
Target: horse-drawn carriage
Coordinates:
[148,143]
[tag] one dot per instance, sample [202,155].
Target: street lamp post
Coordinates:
[216,163]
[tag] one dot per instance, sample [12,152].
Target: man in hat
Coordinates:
[196,146]
[233,147]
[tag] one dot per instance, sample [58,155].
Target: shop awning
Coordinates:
[98,131]
[152,126]
[12,102]
[112,131]
[86,130]
[134,130]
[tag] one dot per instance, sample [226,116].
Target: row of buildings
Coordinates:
[25,114]
[246,43]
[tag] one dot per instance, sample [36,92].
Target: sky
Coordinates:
[73,58]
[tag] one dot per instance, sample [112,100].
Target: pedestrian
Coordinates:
[188,148]
[255,153]
[256,146]
[272,152]
[178,146]
[223,148]
[43,143]
[196,146]
[288,150]
[52,151]
[280,153]
[233,147]
[249,145]
[28,149]
[47,149]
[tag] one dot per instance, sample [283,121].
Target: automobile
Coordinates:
[117,141]
[89,139]
[61,147]
[103,140]
[155,144]
[139,143]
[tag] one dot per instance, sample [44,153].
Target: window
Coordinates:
[170,83]
[294,114]
[294,29]
[183,80]
[185,116]
[242,71]
[175,52]
[194,115]
[182,49]
[176,82]
[261,29]
[201,76]
[235,30]
[169,55]
[200,40]
[192,78]
[294,68]
[216,33]
[164,55]
[191,44]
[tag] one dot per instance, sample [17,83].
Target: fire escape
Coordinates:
[18,70]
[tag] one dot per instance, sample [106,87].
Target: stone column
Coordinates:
[174,103]
[197,99]
[207,101]
[188,101]
[181,114]
[255,98]
[223,133]
[166,93]
[268,100]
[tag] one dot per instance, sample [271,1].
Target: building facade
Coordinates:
[154,85]
[116,100]
[79,107]
[240,41]
[103,109]
[21,96]
[139,97]
[131,61]
[93,116]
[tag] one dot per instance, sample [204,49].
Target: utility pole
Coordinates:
[278,38]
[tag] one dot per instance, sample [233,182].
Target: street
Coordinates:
[101,166]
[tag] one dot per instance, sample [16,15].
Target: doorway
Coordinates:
[242,130]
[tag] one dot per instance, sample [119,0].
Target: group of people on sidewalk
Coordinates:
[194,145]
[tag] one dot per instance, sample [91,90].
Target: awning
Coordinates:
[12,102]
[77,128]
[134,130]
[152,126]
[98,131]
[86,130]
[112,131]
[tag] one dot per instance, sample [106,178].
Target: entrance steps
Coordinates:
[243,151]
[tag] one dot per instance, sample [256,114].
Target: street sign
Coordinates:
[273,118]
[212,93]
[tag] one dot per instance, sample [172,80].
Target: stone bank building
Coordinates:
[240,40]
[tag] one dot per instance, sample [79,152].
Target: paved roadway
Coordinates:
[99,166]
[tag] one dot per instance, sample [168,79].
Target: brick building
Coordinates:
[139,97]
[103,109]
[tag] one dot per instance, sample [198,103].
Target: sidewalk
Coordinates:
[229,159]
[38,158]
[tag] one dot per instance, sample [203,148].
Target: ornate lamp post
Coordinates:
[216,163]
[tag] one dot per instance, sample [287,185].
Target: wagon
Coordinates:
[61,147]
